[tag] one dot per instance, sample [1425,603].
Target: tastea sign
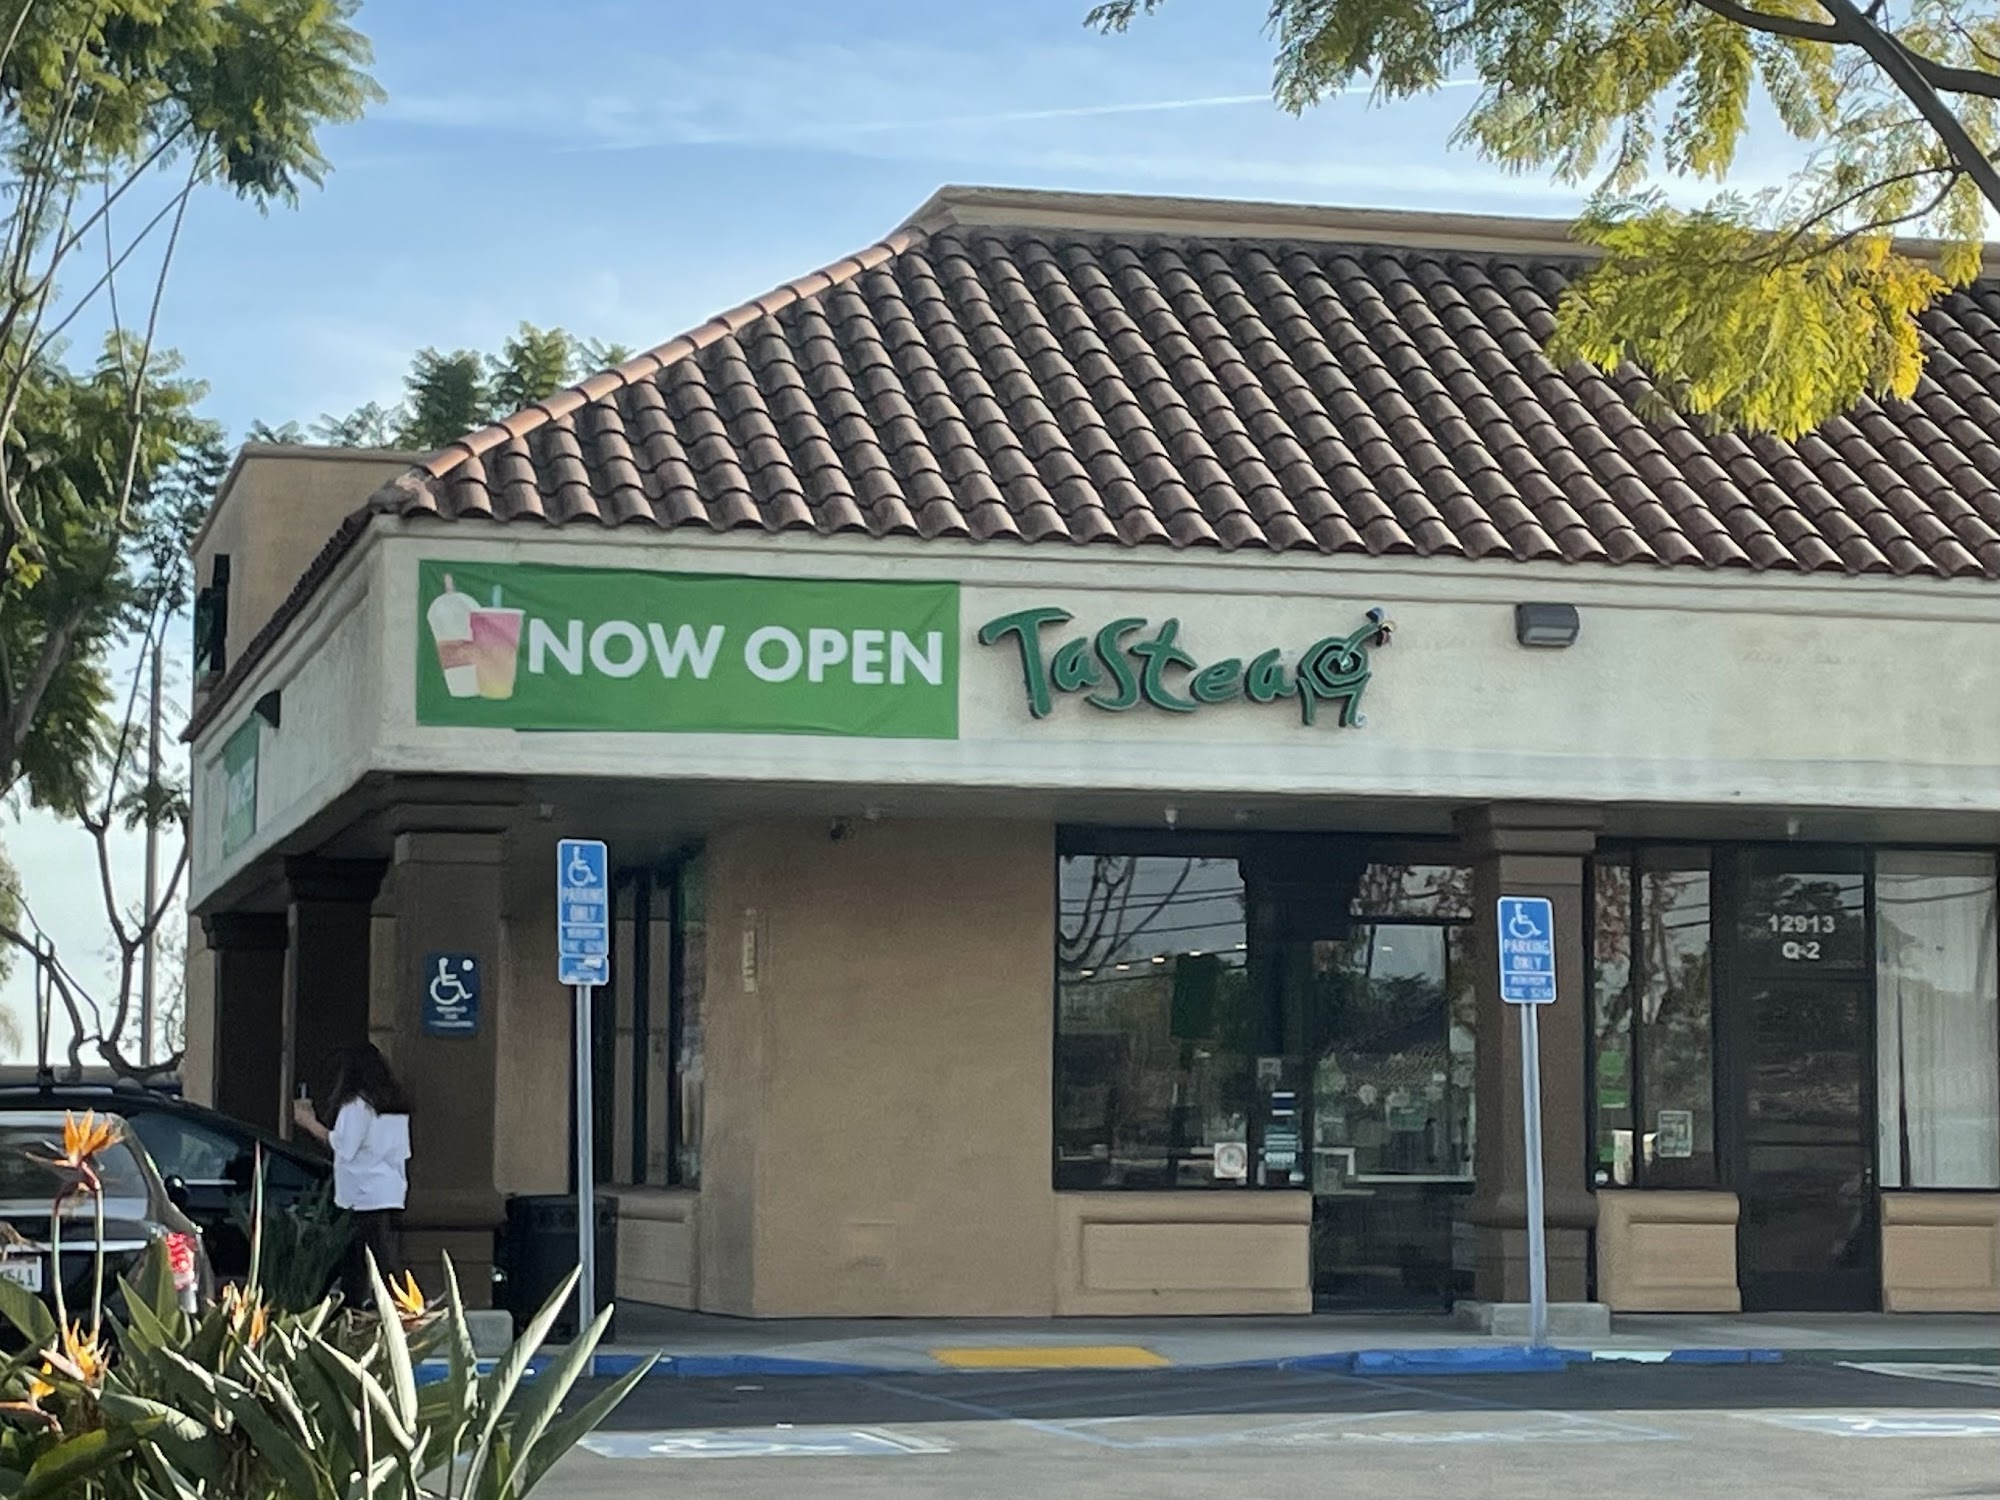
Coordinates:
[531,646]
[239,786]
[1133,661]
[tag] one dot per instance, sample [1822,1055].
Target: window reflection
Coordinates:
[1392,1074]
[690,976]
[1154,1058]
[1676,1030]
[1653,1018]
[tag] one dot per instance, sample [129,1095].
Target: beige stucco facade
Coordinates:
[878,977]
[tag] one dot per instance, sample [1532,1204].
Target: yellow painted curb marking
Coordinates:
[1052,1357]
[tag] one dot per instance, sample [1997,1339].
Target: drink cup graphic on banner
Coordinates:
[496,647]
[450,620]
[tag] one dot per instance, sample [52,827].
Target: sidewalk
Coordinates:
[693,1345]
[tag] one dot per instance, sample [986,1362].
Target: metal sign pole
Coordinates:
[586,1171]
[583,933]
[1531,1139]
[1526,934]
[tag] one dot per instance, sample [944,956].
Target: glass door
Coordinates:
[1796,1002]
[1390,1098]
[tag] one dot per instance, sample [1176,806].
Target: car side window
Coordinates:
[184,1149]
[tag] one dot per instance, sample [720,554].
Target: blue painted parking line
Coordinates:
[1470,1359]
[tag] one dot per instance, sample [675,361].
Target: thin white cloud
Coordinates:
[1100,111]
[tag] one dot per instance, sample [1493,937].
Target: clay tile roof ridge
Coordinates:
[603,383]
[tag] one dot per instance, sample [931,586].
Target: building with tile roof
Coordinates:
[1064,690]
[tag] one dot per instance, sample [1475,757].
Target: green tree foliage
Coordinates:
[446,396]
[1772,311]
[111,506]
[97,98]
[106,105]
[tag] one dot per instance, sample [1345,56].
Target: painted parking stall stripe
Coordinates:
[762,1442]
[1888,1424]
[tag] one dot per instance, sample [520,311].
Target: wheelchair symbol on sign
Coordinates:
[579,873]
[448,991]
[1521,925]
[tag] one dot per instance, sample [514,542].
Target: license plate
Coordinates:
[23,1272]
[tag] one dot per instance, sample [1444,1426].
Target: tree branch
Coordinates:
[1942,76]
[1908,72]
[111,270]
[1770,25]
[1952,175]
[1915,215]
[54,652]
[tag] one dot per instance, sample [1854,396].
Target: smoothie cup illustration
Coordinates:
[450,620]
[496,641]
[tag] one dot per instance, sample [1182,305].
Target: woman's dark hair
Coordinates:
[362,1072]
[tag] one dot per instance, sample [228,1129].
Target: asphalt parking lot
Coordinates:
[1675,1432]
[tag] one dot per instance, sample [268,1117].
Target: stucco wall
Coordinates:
[277,508]
[534,1063]
[1718,690]
[1683,688]
[330,708]
[1667,1252]
[1941,1252]
[1120,1254]
[886,1085]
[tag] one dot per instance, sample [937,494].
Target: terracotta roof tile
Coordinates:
[1191,389]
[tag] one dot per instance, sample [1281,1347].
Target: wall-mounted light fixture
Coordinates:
[1546,624]
[269,708]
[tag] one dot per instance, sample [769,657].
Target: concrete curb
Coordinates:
[1465,1360]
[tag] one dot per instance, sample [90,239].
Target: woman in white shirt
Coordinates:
[370,1141]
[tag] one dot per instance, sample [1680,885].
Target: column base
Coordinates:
[1509,1320]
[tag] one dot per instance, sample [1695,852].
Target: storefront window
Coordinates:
[1653,1012]
[1441,893]
[1937,1025]
[1155,1052]
[1391,1030]
[690,974]
[1611,948]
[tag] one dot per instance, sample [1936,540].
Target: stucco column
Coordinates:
[247,958]
[327,968]
[447,893]
[1528,850]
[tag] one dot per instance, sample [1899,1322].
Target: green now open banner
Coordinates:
[531,646]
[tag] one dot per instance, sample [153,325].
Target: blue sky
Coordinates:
[625,168]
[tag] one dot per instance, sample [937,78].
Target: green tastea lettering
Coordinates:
[1218,682]
[1158,654]
[1074,667]
[1125,673]
[1111,651]
[1268,681]
[1025,626]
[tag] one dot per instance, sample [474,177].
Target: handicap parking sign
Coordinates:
[451,994]
[1527,950]
[583,912]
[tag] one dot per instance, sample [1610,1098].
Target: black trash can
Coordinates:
[538,1250]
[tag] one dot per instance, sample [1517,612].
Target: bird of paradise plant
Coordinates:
[84,1140]
[241,1400]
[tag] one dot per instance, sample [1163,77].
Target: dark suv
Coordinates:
[207,1160]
